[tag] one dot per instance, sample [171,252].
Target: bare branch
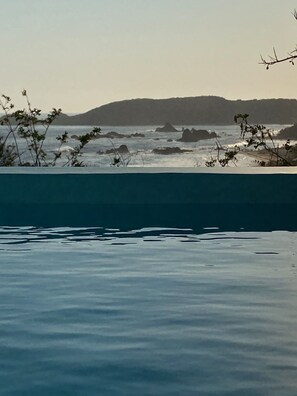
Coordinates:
[275,59]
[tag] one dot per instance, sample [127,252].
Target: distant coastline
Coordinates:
[200,110]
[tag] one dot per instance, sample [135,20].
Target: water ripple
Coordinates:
[141,312]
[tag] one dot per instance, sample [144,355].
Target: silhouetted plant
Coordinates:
[273,59]
[259,138]
[224,156]
[119,160]
[29,126]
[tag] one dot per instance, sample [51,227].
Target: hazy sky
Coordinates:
[79,54]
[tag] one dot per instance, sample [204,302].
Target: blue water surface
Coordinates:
[147,312]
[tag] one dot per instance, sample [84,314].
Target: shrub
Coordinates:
[24,135]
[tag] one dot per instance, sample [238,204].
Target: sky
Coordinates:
[80,54]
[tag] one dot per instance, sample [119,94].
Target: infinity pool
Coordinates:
[147,312]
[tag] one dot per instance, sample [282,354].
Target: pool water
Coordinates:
[147,312]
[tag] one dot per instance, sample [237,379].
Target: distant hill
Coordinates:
[201,110]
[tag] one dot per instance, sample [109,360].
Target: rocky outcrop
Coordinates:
[108,135]
[288,133]
[140,135]
[170,150]
[116,135]
[123,150]
[167,128]
[194,135]
[113,135]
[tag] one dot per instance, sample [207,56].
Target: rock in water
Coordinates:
[137,135]
[123,149]
[169,150]
[167,128]
[111,135]
[116,135]
[194,135]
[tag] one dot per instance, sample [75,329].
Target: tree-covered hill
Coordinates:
[186,111]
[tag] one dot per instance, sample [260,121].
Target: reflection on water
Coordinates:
[96,311]
[26,235]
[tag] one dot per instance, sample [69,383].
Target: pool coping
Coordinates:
[149,170]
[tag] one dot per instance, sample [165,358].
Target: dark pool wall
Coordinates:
[136,198]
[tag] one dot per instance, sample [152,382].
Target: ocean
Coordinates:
[141,148]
